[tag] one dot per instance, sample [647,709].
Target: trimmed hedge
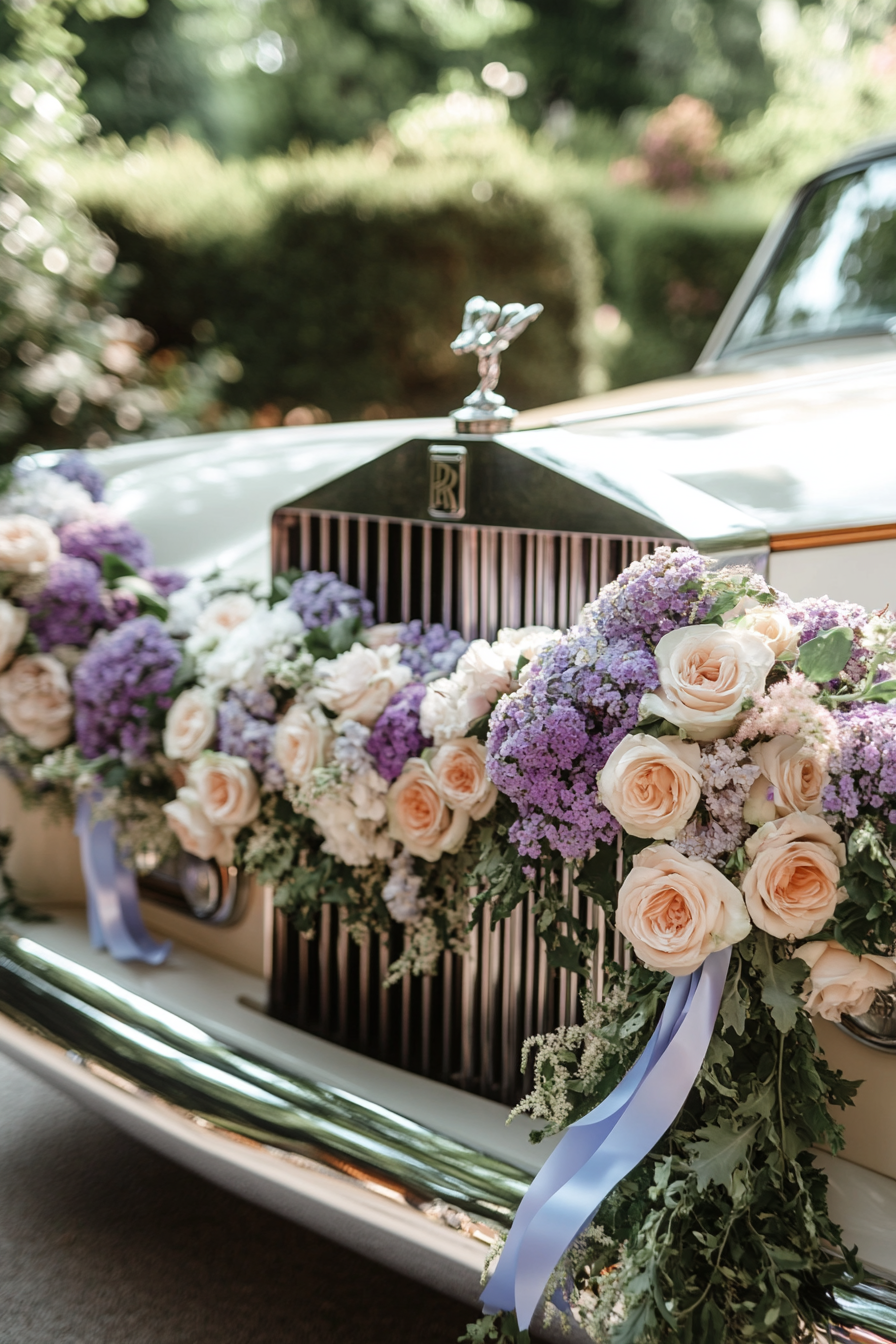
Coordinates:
[339,279]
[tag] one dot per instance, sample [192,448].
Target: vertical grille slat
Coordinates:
[467,1025]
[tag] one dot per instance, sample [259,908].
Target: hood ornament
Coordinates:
[487,331]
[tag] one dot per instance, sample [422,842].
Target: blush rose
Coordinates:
[194,832]
[461,778]
[190,725]
[27,545]
[840,983]
[300,742]
[360,683]
[792,886]
[13,624]
[227,790]
[675,911]
[651,785]
[792,779]
[706,672]
[36,700]
[419,817]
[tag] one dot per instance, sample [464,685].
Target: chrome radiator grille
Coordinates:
[465,1026]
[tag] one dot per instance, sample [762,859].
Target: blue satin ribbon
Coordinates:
[601,1148]
[113,911]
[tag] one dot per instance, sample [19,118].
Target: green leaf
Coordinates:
[884,691]
[114,567]
[734,1008]
[823,657]
[567,954]
[719,1150]
[781,983]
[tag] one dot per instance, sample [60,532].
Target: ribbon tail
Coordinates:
[592,1158]
[113,911]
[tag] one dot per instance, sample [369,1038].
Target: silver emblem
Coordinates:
[487,332]
[447,482]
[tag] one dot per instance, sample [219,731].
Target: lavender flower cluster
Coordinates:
[321,599]
[104,532]
[863,771]
[653,596]
[74,466]
[69,608]
[120,684]
[241,733]
[396,736]
[430,653]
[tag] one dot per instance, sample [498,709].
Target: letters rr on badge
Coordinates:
[447,481]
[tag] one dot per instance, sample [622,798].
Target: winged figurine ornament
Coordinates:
[487,332]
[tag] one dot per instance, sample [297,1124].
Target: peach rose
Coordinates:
[36,700]
[300,742]
[792,779]
[460,775]
[377,636]
[706,672]
[195,833]
[792,886]
[841,983]
[419,817]
[360,683]
[675,911]
[225,613]
[27,545]
[13,624]
[226,789]
[651,785]
[781,635]
[190,725]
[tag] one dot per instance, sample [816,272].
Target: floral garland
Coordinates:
[712,764]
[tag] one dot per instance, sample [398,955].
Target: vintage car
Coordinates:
[279,1066]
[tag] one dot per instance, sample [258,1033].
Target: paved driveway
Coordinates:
[104,1242]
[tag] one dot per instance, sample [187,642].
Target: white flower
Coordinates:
[300,742]
[488,671]
[195,833]
[190,725]
[706,672]
[773,626]
[227,790]
[241,655]
[216,620]
[354,840]
[27,545]
[459,770]
[185,607]
[47,495]
[36,700]
[13,624]
[443,710]
[402,891]
[360,683]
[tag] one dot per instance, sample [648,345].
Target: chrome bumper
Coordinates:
[398,1191]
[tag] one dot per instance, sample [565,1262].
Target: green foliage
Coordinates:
[822,658]
[340,278]
[11,904]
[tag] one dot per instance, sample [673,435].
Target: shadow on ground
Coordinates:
[104,1242]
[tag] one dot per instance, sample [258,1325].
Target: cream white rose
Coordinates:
[27,545]
[227,790]
[380,635]
[419,817]
[13,624]
[651,785]
[484,672]
[36,700]
[443,710]
[359,684]
[792,886]
[300,742]
[841,983]
[792,779]
[779,632]
[675,911]
[190,725]
[225,613]
[461,778]
[195,833]
[706,672]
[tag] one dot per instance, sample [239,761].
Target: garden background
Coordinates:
[225,212]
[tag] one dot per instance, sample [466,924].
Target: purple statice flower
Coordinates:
[121,684]
[75,467]
[242,734]
[548,740]
[863,770]
[816,614]
[396,735]
[120,606]
[662,592]
[90,538]
[69,608]
[430,653]
[321,599]
[165,581]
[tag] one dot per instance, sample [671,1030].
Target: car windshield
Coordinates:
[835,273]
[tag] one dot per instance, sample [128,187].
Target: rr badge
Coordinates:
[447,481]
